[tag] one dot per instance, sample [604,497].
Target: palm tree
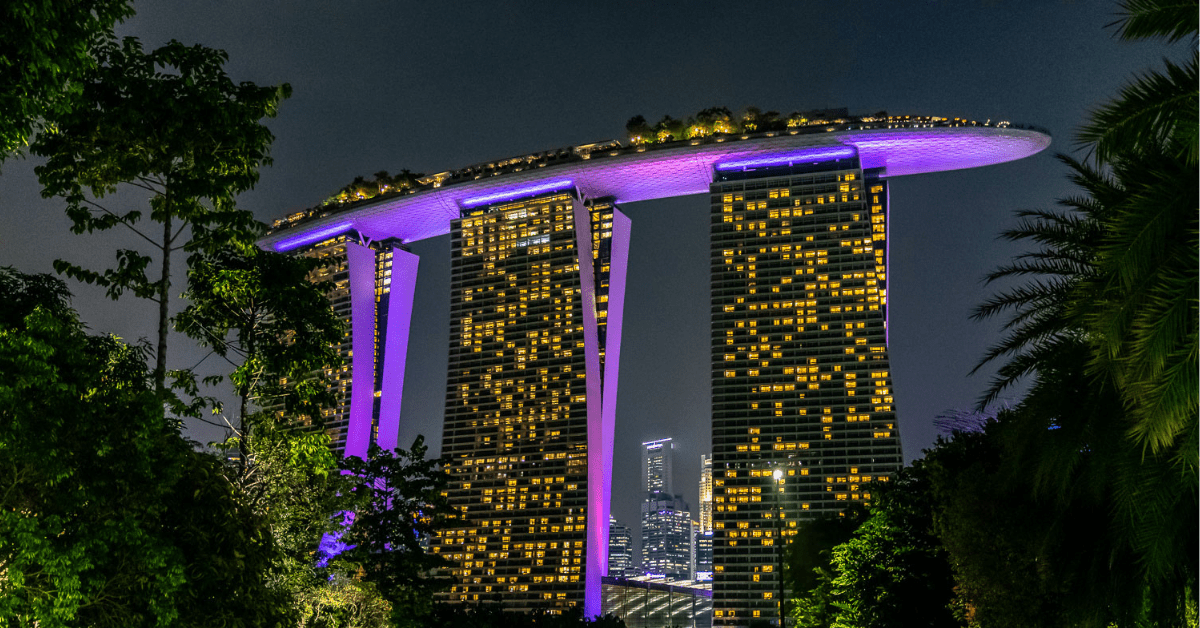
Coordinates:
[1107,319]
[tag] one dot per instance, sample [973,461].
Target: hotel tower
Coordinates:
[536,287]
[801,383]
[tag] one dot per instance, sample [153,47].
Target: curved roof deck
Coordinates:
[640,173]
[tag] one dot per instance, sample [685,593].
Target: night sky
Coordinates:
[435,86]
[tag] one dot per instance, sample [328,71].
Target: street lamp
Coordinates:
[778,475]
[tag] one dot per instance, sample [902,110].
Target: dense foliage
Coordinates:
[108,516]
[720,120]
[45,49]
[891,571]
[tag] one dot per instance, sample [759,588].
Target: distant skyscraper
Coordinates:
[706,494]
[620,550]
[801,381]
[666,536]
[656,465]
[704,555]
[666,521]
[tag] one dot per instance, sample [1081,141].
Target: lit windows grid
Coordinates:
[516,417]
[336,272]
[800,375]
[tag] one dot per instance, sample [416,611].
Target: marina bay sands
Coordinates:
[803,413]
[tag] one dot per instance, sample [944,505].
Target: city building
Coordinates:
[706,494]
[656,465]
[666,537]
[621,561]
[666,520]
[704,555]
[801,380]
[531,288]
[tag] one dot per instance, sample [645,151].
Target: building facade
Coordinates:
[801,382]
[706,494]
[666,537]
[704,555]
[621,561]
[666,549]
[526,433]
[656,465]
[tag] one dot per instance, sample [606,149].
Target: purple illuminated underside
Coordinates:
[811,155]
[512,193]
[311,237]
[678,171]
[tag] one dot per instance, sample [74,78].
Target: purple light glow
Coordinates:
[311,237]
[676,171]
[804,156]
[515,193]
[601,433]
[361,262]
[395,351]
[596,556]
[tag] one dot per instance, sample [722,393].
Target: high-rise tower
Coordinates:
[706,494]
[370,287]
[536,290]
[666,520]
[801,382]
[620,550]
[656,465]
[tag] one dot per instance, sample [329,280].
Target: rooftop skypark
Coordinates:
[713,125]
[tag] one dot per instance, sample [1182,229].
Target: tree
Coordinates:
[398,507]
[1157,109]
[169,122]
[639,131]
[808,552]
[259,311]
[1107,329]
[893,571]
[1067,445]
[44,54]
[108,517]
[669,129]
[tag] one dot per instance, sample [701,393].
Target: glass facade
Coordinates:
[666,537]
[648,603]
[620,550]
[800,381]
[706,494]
[528,314]
[656,465]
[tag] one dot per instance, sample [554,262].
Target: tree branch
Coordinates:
[123,221]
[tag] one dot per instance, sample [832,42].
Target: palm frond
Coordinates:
[1156,109]
[1172,20]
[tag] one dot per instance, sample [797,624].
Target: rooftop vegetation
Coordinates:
[720,120]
